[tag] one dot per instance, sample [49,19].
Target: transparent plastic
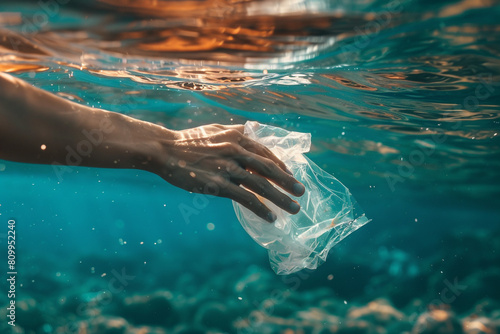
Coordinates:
[328,214]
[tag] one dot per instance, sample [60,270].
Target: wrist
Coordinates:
[152,154]
[130,143]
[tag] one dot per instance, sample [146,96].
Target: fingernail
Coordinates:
[294,207]
[298,189]
[271,217]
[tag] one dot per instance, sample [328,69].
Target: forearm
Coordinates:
[38,127]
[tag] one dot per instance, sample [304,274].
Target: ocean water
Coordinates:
[402,99]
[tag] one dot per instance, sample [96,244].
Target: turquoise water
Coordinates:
[403,102]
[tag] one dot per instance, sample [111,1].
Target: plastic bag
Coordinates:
[328,214]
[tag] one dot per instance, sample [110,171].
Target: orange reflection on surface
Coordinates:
[22,67]
[347,83]
[217,32]
[215,95]
[290,96]
[276,94]
[463,6]
[175,8]
[394,76]
[176,44]
[210,74]
[147,78]
[380,114]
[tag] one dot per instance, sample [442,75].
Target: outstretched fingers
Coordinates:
[261,186]
[248,200]
[264,188]
[259,149]
[268,169]
[236,133]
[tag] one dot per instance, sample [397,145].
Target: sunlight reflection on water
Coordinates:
[365,77]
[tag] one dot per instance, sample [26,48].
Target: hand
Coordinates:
[216,159]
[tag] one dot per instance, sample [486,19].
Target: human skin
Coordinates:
[39,127]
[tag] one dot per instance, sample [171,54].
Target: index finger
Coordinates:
[270,170]
[257,148]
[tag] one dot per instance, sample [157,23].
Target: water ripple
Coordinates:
[371,79]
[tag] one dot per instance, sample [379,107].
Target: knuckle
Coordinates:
[266,150]
[232,168]
[233,133]
[230,148]
[219,179]
[249,160]
[268,167]
[224,178]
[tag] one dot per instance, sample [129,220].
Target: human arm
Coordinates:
[38,127]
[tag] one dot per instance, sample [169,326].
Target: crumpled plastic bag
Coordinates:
[328,213]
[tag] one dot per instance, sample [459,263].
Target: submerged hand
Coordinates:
[216,159]
[212,159]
